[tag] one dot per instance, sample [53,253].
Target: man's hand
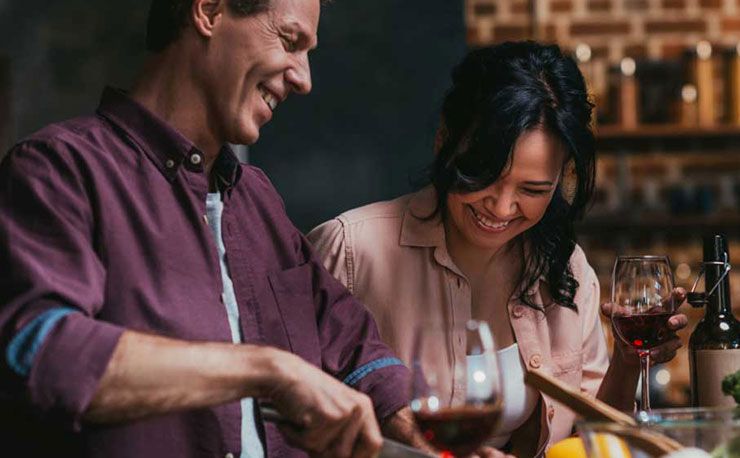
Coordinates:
[151,375]
[664,352]
[490,452]
[326,418]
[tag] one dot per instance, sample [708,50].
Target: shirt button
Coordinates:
[550,412]
[535,361]
[169,163]
[195,159]
[518,311]
[229,455]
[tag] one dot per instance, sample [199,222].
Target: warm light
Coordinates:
[628,66]
[583,52]
[663,377]
[704,49]
[688,93]
[479,376]
[683,271]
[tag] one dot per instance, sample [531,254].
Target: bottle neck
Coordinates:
[719,303]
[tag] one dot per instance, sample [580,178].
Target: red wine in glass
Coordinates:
[459,431]
[642,304]
[644,331]
[455,386]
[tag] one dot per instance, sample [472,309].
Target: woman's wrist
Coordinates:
[624,358]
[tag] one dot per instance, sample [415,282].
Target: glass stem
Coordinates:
[645,376]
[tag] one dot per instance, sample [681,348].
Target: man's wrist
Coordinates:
[267,369]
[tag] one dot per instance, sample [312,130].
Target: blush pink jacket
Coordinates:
[397,263]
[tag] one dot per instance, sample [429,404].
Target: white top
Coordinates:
[251,443]
[519,399]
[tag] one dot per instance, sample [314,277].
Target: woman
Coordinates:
[492,238]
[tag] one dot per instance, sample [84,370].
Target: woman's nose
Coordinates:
[501,204]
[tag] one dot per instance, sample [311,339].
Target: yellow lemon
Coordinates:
[571,447]
[605,445]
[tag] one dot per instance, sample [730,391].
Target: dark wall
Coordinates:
[62,53]
[379,74]
[367,128]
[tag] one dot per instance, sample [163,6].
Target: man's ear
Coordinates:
[205,15]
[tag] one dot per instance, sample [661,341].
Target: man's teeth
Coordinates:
[488,223]
[269,99]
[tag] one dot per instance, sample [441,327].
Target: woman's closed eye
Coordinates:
[536,192]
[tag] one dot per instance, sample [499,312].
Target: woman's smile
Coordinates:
[487,224]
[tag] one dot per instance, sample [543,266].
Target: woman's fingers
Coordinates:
[677,298]
[678,322]
[666,351]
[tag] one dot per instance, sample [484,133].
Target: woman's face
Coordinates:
[490,218]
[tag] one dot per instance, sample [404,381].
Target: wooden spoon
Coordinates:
[590,408]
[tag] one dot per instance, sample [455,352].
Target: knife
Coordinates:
[389,449]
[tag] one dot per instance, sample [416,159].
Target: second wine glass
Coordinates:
[456,386]
[642,294]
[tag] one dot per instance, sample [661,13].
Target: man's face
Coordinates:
[253,63]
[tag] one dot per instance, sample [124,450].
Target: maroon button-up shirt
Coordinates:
[105,215]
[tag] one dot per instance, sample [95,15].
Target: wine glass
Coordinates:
[456,386]
[642,289]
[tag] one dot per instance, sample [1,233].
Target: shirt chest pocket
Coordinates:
[292,291]
[568,367]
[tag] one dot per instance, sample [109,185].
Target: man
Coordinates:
[153,288]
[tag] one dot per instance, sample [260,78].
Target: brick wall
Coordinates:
[614,29]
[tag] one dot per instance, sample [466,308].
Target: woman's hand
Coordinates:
[626,354]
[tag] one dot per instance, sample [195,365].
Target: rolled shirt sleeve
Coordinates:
[55,351]
[384,378]
[352,350]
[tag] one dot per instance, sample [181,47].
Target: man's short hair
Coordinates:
[167,18]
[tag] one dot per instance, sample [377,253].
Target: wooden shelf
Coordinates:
[632,223]
[666,137]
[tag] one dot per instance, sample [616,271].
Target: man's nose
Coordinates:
[299,75]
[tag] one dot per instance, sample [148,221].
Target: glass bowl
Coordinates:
[715,431]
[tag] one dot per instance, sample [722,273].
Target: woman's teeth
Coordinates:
[487,222]
[269,99]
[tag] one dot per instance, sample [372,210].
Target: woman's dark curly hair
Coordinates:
[498,93]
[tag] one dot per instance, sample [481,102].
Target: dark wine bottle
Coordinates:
[714,346]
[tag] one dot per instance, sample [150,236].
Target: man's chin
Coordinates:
[246,136]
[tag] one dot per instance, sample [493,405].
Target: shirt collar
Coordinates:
[417,228]
[168,148]
[227,168]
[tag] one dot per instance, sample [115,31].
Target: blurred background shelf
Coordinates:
[621,223]
[667,138]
